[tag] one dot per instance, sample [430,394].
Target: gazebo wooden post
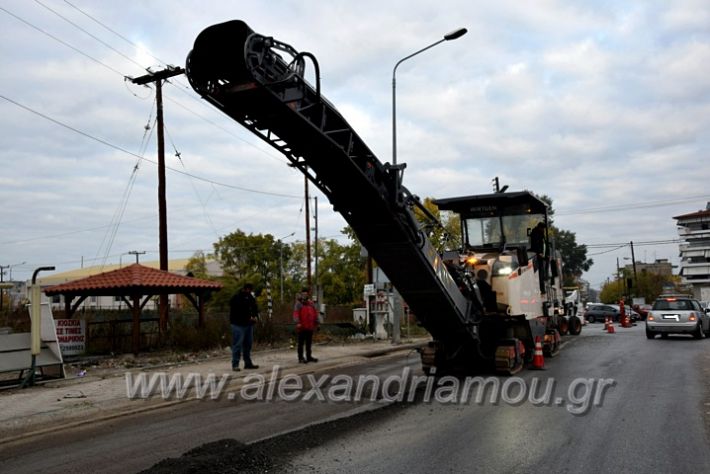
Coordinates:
[136,309]
[67,306]
[201,310]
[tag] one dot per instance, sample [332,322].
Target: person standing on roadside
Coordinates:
[305,316]
[243,313]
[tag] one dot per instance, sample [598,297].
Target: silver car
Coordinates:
[677,315]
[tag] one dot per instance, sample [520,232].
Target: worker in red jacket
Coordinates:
[622,314]
[305,316]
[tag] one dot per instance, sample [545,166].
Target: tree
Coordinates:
[647,286]
[445,232]
[249,258]
[574,256]
[341,272]
[197,265]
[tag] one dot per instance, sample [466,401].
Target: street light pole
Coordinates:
[447,37]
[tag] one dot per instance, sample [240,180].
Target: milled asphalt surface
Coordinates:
[101,394]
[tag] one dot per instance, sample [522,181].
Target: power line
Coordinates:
[62,42]
[202,202]
[127,40]
[640,243]
[111,30]
[627,207]
[607,251]
[181,89]
[123,150]
[91,35]
[215,124]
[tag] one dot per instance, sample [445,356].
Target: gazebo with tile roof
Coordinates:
[135,285]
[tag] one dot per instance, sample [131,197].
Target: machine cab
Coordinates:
[497,222]
[497,247]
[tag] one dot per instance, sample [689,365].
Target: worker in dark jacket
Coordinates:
[305,316]
[243,313]
[538,244]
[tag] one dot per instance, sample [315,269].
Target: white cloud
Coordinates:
[592,104]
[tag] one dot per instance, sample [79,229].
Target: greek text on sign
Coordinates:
[71,335]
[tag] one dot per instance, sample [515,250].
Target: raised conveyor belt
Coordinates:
[245,75]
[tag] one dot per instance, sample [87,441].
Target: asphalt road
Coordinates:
[651,415]
[137,442]
[653,419]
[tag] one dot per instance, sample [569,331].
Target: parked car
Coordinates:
[599,312]
[677,315]
[642,310]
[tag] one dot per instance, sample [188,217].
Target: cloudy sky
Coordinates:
[603,106]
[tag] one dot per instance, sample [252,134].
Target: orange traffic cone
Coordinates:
[606,324]
[538,362]
[610,328]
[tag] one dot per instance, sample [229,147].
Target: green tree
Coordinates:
[341,272]
[445,231]
[197,265]
[574,256]
[295,276]
[612,292]
[647,285]
[253,258]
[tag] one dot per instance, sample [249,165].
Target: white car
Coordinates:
[677,315]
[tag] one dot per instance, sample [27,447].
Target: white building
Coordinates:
[694,228]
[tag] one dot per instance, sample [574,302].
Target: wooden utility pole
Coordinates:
[308,237]
[136,253]
[315,248]
[633,262]
[158,78]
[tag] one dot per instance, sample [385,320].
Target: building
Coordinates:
[694,228]
[662,266]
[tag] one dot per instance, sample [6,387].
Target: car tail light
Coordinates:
[692,317]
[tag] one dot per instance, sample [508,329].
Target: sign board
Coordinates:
[71,335]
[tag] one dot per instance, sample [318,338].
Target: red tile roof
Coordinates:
[131,278]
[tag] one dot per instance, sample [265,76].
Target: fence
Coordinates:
[115,336]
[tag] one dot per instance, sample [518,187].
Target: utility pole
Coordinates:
[315,246]
[619,277]
[308,237]
[158,78]
[2,290]
[136,253]
[633,261]
[496,186]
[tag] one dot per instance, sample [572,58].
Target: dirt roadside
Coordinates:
[97,390]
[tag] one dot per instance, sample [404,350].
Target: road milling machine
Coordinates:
[482,304]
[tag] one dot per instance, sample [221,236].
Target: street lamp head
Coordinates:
[455,34]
